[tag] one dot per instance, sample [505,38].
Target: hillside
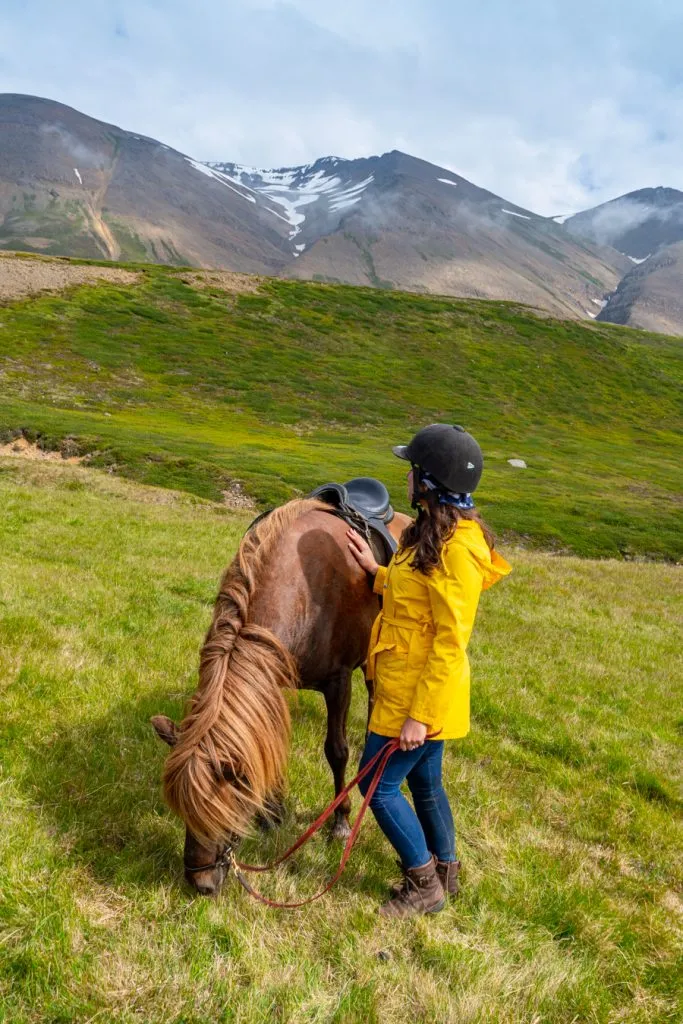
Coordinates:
[565,794]
[271,387]
[650,296]
[71,185]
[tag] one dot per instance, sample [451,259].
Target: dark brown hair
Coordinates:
[428,533]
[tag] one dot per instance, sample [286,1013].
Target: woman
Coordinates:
[417,657]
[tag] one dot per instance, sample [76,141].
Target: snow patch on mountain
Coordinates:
[447,181]
[351,195]
[223,179]
[514,214]
[287,191]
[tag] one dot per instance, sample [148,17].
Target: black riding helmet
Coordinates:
[448,453]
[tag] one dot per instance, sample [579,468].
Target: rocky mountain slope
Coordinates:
[650,296]
[396,221]
[72,185]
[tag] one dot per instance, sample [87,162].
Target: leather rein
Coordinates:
[227,857]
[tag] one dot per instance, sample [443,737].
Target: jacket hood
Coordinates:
[492,565]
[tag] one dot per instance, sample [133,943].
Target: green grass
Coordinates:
[301,382]
[566,794]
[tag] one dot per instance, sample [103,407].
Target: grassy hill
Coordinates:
[567,794]
[293,383]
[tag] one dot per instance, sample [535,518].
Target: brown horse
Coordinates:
[294,610]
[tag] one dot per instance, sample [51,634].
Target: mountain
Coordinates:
[75,186]
[72,185]
[396,221]
[647,227]
[636,224]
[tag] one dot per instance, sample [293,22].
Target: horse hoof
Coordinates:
[340,830]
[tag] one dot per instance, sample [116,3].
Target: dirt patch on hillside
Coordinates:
[226,280]
[234,497]
[22,448]
[50,468]
[20,277]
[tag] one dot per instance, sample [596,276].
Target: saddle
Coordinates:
[365,505]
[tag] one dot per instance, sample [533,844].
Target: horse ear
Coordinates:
[165,729]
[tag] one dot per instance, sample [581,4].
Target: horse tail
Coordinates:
[232,748]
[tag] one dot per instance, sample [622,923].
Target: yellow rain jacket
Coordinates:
[418,646]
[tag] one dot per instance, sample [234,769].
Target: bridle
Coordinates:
[223,860]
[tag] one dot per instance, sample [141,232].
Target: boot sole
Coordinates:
[402,917]
[449,895]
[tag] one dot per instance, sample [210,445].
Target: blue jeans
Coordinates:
[414,834]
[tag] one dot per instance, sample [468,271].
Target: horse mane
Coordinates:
[233,744]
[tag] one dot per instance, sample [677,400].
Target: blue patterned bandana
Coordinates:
[462,501]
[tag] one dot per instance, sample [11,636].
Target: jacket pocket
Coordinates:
[386,651]
[419,648]
[390,641]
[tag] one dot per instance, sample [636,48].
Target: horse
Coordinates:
[294,610]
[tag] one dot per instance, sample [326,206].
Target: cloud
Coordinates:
[623,215]
[555,107]
[83,155]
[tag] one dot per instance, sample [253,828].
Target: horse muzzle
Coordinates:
[208,878]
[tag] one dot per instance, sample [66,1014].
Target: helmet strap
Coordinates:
[416,503]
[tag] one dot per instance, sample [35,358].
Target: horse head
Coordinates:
[206,863]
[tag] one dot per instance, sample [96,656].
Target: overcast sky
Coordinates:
[554,105]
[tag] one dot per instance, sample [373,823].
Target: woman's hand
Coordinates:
[362,552]
[412,734]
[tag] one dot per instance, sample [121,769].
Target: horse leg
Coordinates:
[337,695]
[273,813]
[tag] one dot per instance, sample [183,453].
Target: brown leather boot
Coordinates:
[421,893]
[448,871]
